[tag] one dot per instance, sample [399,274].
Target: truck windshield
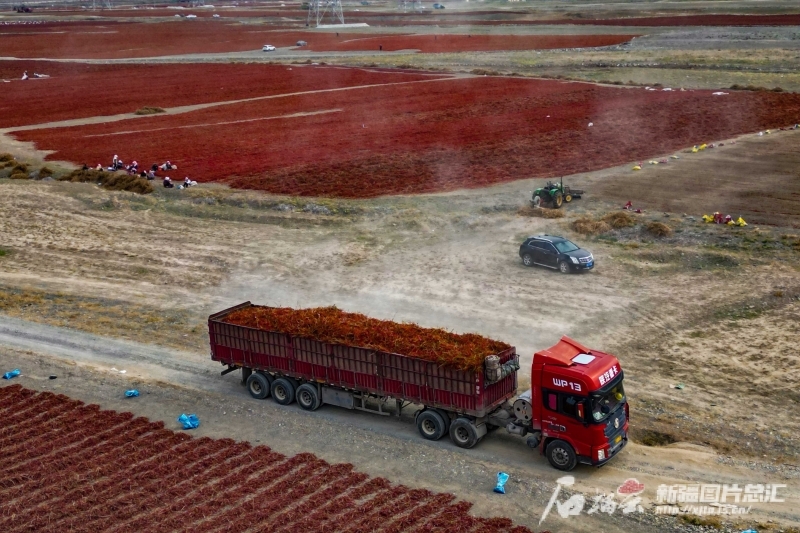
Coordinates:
[566,246]
[605,403]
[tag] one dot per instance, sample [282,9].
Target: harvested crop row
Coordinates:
[328,324]
[141,477]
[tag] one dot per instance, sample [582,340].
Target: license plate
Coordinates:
[619,438]
[590,265]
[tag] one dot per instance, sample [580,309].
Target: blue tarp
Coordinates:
[133,393]
[189,421]
[14,373]
[502,477]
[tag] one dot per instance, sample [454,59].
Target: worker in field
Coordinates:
[25,75]
[168,183]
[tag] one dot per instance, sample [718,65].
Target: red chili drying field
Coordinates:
[422,136]
[70,466]
[467,43]
[77,90]
[111,40]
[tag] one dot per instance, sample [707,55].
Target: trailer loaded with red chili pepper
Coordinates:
[463,385]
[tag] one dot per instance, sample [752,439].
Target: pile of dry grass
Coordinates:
[113,181]
[658,229]
[619,219]
[45,172]
[588,226]
[147,110]
[540,212]
[6,160]
[19,172]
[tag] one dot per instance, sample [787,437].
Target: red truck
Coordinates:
[575,412]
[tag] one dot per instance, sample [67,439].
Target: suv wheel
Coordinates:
[527,260]
[563,266]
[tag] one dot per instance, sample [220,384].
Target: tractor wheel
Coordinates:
[568,198]
[558,200]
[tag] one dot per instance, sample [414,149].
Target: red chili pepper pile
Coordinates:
[329,324]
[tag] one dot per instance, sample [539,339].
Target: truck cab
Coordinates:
[576,410]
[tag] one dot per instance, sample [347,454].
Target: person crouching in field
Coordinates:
[168,183]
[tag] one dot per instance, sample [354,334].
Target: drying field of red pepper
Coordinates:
[470,43]
[77,90]
[113,40]
[329,324]
[73,467]
[418,135]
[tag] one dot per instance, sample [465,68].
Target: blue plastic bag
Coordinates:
[133,393]
[189,421]
[750,531]
[502,477]
[14,373]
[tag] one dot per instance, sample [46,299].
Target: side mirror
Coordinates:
[579,410]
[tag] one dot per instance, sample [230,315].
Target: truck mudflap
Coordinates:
[612,452]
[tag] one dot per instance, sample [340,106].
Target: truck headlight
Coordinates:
[601,454]
[574,259]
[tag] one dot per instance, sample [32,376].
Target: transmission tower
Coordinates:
[414,5]
[319,8]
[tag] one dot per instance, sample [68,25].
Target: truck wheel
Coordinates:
[527,260]
[558,200]
[308,397]
[563,266]
[463,433]
[258,386]
[561,455]
[430,425]
[283,391]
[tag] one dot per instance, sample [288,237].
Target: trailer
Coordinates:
[575,412]
[314,373]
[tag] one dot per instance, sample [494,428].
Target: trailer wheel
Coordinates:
[258,386]
[431,425]
[308,397]
[283,391]
[463,433]
[561,455]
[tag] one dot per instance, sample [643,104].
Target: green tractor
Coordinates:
[554,194]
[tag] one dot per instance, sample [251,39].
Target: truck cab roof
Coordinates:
[595,368]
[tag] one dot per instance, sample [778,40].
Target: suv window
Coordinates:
[547,246]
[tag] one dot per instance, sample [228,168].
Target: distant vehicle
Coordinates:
[268,48]
[191,16]
[302,43]
[438,6]
[556,253]
[215,16]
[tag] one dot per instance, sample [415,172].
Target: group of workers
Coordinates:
[133,168]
